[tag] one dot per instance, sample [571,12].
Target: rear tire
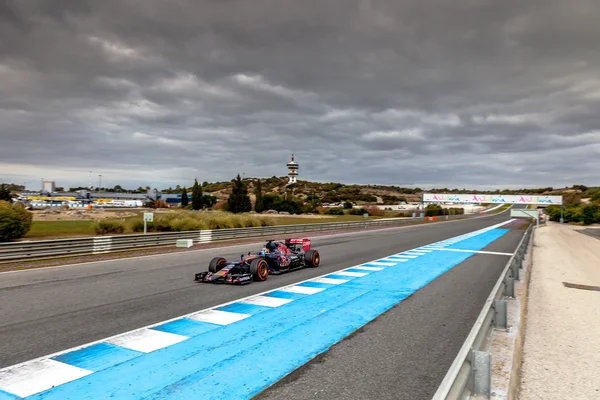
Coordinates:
[216,264]
[312,258]
[259,269]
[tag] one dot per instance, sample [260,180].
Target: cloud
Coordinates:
[460,94]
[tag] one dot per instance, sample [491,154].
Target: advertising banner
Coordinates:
[491,198]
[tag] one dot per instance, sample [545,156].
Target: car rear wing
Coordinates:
[305,243]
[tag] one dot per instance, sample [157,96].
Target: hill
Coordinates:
[332,192]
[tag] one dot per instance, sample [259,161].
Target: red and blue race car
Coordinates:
[275,258]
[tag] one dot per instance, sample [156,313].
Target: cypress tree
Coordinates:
[184,197]
[239,201]
[259,205]
[197,200]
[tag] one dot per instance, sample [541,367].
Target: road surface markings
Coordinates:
[267,301]
[296,322]
[478,252]
[218,317]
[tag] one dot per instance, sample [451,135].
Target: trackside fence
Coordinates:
[469,376]
[31,250]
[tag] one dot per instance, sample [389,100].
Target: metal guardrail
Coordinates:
[470,374]
[31,250]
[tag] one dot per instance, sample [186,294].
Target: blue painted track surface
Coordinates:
[240,359]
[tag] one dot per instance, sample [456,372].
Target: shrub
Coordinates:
[554,213]
[433,210]
[219,222]
[375,211]
[15,221]
[138,226]
[105,227]
[590,214]
[266,222]
[358,211]
[572,214]
[187,224]
[163,223]
[293,207]
[335,211]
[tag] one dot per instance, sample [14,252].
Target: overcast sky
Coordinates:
[437,93]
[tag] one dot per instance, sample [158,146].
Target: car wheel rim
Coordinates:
[262,271]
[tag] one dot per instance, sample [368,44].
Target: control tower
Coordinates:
[293,167]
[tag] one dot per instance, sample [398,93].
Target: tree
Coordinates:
[591,214]
[239,201]
[197,200]
[259,204]
[4,193]
[184,197]
[15,221]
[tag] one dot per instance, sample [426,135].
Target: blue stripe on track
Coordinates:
[242,308]
[186,327]
[315,285]
[7,396]
[239,360]
[362,271]
[280,294]
[346,277]
[480,241]
[98,356]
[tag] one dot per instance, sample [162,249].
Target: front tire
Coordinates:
[259,269]
[312,258]
[216,264]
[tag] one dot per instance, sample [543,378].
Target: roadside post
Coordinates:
[562,207]
[148,217]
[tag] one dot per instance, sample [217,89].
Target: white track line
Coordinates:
[147,340]
[266,301]
[382,263]
[38,376]
[369,268]
[330,281]
[355,274]
[302,289]
[218,317]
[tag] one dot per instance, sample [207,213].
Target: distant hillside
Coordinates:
[332,192]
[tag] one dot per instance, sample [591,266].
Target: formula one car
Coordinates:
[275,258]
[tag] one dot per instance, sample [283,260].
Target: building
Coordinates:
[293,167]
[49,186]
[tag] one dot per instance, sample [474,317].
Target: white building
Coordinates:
[49,186]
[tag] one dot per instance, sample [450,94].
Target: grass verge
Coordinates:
[183,221]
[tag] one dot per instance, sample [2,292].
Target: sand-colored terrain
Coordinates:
[561,355]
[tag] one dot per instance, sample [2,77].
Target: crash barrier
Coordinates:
[470,374]
[31,250]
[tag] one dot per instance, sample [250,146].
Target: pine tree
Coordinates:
[197,200]
[239,201]
[184,197]
[259,205]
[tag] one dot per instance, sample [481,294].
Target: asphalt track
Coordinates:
[45,311]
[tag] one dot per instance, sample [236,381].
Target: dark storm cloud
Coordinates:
[469,93]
